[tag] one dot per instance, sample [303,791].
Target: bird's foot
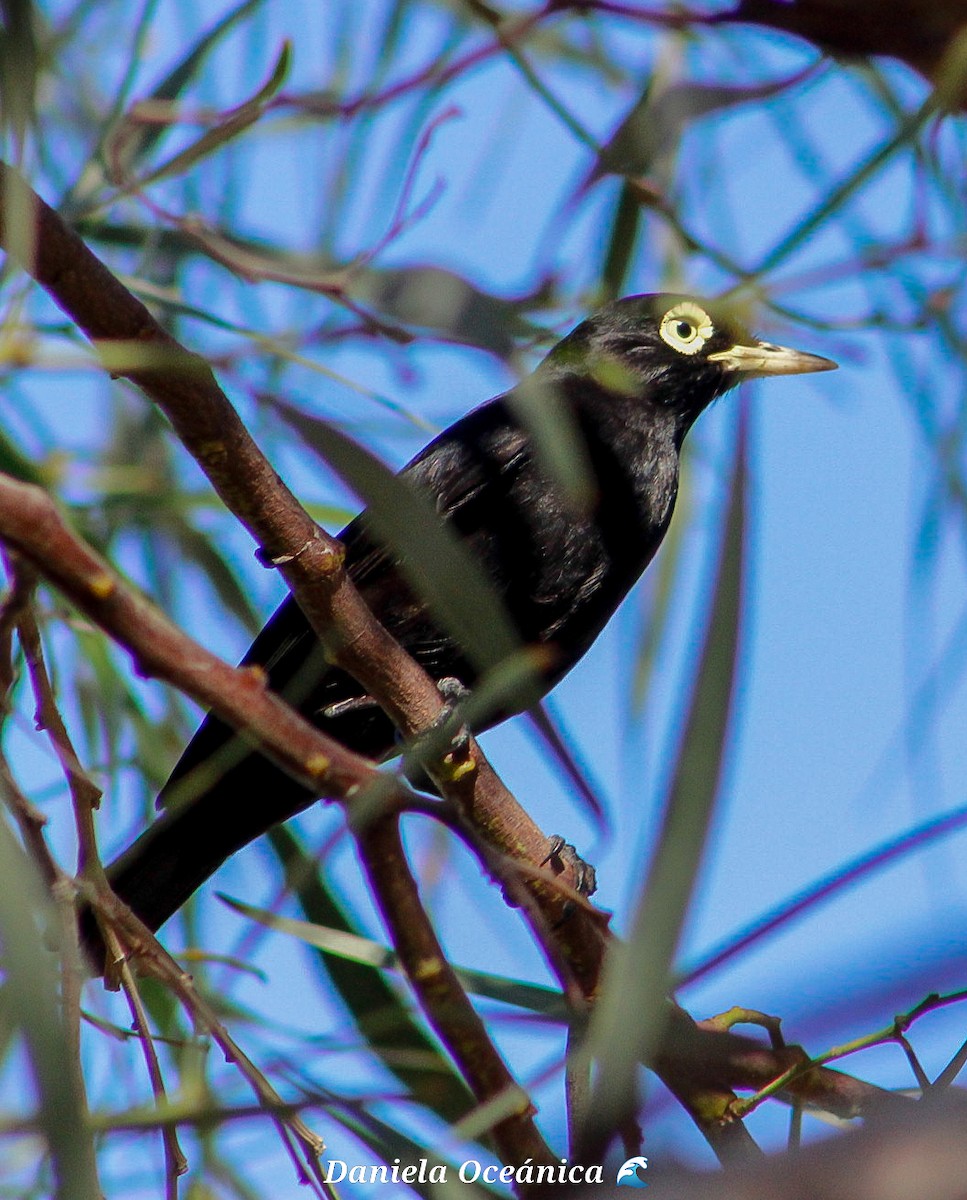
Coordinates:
[444,743]
[561,854]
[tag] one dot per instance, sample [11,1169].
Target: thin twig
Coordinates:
[175,1160]
[441,994]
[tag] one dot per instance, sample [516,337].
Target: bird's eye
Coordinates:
[686,327]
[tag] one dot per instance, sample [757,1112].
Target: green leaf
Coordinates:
[657,121]
[622,243]
[32,998]
[237,121]
[401,1044]
[14,462]
[128,141]
[177,79]
[433,298]
[557,439]
[18,67]
[835,198]
[661,576]
[627,1022]
[545,1001]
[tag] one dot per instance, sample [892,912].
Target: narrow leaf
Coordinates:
[656,122]
[236,122]
[132,140]
[436,563]
[628,1021]
[376,1008]
[546,1002]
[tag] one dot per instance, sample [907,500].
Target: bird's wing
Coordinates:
[456,469]
[477,455]
[467,463]
[460,467]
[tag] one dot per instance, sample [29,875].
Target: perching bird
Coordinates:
[634,376]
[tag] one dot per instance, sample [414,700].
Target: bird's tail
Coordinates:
[164,867]
[223,794]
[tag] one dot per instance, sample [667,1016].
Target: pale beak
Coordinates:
[763,358]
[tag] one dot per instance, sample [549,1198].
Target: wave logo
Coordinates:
[629,1173]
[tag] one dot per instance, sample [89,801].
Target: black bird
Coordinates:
[634,376]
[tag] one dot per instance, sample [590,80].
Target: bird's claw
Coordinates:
[444,743]
[561,854]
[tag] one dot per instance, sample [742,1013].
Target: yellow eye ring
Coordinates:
[686,327]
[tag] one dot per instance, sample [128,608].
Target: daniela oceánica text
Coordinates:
[471,1171]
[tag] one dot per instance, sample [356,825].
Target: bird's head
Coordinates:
[679,351]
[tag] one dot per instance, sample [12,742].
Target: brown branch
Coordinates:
[516,880]
[17,613]
[85,794]
[17,608]
[445,1002]
[31,523]
[183,386]
[93,587]
[30,820]
[133,345]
